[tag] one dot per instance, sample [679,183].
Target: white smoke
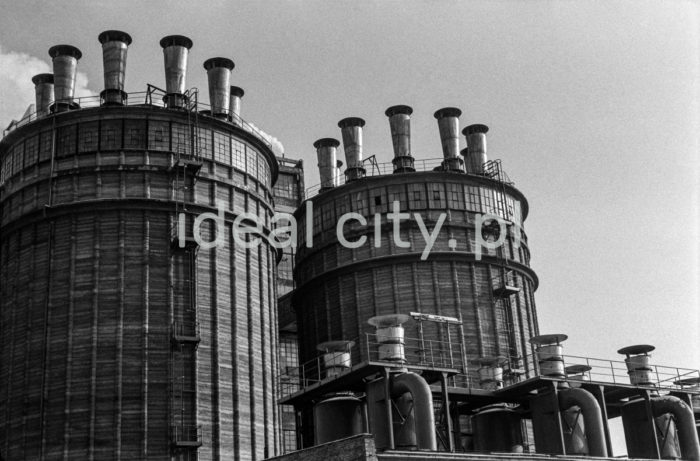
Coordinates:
[16,87]
[277,147]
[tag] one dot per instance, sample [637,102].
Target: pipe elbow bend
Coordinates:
[592,417]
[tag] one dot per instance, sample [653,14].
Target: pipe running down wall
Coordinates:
[114,49]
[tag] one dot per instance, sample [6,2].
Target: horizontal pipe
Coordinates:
[592,418]
[423,407]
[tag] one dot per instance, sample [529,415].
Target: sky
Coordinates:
[592,107]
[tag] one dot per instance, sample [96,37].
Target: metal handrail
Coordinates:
[152,97]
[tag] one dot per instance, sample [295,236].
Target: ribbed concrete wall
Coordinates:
[90,289]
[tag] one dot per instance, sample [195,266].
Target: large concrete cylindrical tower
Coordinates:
[490,290]
[121,337]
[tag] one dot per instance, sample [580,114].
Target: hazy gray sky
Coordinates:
[593,108]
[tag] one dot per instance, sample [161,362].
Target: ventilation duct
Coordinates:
[390,337]
[219,76]
[351,129]
[236,93]
[114,49]
[400,126]
[175,49]
[326,150]
[43,89]
[548,350]
[637,361]
[448,124]
[336,357]
[476,148]
[65,67]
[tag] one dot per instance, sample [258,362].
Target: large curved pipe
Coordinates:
[592,418]
[685,422]
[423,407]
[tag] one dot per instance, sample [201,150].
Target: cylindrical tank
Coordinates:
[43,89]
[65,67]
[340,287]
[101,310]
[640,434]
[219,76]
[235,104]
[114,49]
[497,428]
[337,418]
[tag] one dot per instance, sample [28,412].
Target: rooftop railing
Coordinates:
[437,354]
[152,97]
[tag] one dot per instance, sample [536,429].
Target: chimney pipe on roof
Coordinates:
[43,89]
[448,124]
[114,48]
[351,129]
[327,162]
[175,49]
[65,66]
[235,104]
[476,148]
[400,125]
[219,75]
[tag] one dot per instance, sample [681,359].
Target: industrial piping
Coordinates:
[236,93]
[400,126]
[592,418]
[219,76]
[175,49]
[43,89]
[448,124]
[423,407]
[476,148]
[114,49]
[327,162]
[65,67]
[685,422]
[351,129]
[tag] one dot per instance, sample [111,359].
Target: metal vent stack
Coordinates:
[65,67]
[115,44]
[476,148]
[43,89]
[326,150]
[219,76]
[175,50]
[351,129]
[448,124]
[235,95]
[400,125]
[548,350]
